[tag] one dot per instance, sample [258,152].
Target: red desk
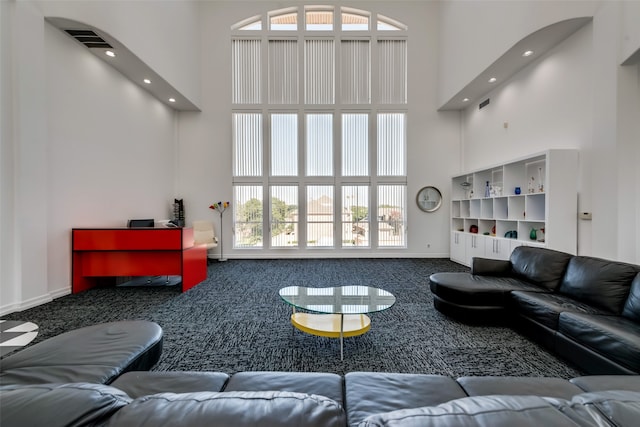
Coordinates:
[100,252]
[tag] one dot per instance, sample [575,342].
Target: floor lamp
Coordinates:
[220,207]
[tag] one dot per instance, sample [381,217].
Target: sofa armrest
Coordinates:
[490,267]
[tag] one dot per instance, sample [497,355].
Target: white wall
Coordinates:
[205,138]
[473,34]
[163,34]
[7,193]
[24,194]
[630,45]
[576,96]
[110,147]
[88,148]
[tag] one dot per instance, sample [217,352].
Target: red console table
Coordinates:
[100,252]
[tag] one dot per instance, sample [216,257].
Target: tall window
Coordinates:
[319,124]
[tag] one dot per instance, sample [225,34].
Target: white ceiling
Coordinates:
[130,65]
[503,68]
[512,61]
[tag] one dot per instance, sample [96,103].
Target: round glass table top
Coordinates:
[339,299]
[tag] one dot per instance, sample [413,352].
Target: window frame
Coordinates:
[301,109]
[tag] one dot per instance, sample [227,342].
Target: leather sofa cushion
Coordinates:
[321,383]
[368,393]
[522,386]
[490,267]
[632,306]
[96,354]
[544,267]
[236,409]
[600,282]
[620,408]
[474,290]
[546,308]
[54,405]
[607,382]
[142,383]
[614,336]
[494,411]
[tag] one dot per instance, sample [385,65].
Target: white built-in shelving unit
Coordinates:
[485,200]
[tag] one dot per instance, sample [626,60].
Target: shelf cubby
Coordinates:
[474,208]
[485,226]
[535,207]
[501,208]
[486,208]
[517,207]
[502,227]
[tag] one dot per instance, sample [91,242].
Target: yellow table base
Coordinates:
[332,325]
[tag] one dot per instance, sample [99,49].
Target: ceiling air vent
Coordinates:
[88,38]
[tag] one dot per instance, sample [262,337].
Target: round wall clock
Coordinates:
[429,199]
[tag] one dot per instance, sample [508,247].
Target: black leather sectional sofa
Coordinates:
[98,376]
[585,309]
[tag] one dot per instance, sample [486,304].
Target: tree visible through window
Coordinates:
[319,129]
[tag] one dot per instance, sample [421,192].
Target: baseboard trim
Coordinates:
[320,254]
[33,302]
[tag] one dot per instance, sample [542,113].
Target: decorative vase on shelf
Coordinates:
[540,183]
[487,190]
[533,235]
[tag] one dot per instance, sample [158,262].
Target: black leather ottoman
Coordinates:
[94,354]
[475,298]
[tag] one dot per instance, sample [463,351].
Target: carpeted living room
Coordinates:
[235,321]
[338,213]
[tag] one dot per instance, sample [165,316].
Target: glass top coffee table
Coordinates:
[336,312]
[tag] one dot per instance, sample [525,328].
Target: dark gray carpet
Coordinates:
[235,321]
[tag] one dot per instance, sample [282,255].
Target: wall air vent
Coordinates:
[88,38]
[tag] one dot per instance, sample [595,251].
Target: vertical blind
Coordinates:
[320,216]
[283,71]
[355,215]
[392,71]
[319,144]
[247,144]
[284,145]
[288,114]
[247,216]
[391,215]
[319,84]
[392,144]
[355,144]
[356,72]
[246,71]
[284,206]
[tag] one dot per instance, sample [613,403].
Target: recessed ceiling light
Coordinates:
[172,100]
[528,53]
[492,80]
[110,53]
[465,100]
[147,81]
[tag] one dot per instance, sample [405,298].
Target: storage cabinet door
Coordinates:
[475,247]
[458,247]
[497,248]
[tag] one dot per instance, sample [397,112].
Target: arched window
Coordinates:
[319,124]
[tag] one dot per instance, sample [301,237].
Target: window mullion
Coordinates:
[373,187]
